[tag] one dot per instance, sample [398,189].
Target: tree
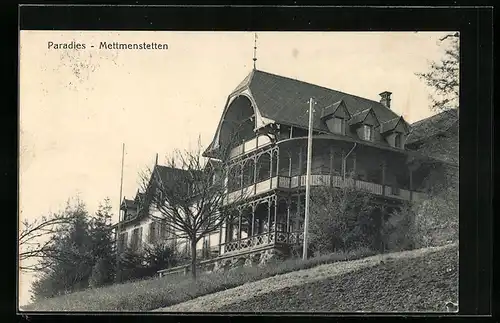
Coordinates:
[103,251]
[36,239]
[189,197]
[341,219]
[443,77]
[67,261]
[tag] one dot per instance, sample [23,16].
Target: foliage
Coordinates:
[341,219]
[79,254]
[429,222]
[150,294]
[443,76]
[103,251]
[154,257]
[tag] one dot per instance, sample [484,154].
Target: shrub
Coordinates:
[102,273]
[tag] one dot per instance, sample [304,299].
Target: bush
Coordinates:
[102,273]
[342,219]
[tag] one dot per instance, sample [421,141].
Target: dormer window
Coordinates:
[398,140]
[338,126]
[368,132]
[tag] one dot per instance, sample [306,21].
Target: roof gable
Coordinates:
[337,109]
[395,125]
[366,116]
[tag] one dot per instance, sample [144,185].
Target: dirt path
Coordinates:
[216,301]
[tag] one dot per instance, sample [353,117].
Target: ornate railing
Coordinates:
[263,239]
[249,145]
[287,182]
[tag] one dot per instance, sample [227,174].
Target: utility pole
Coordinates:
[119,217]
[308,179]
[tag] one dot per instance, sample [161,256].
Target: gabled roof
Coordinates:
[390,125]
[359,117]
[432,125]
[285,100]
[168,174]
[128,204]
[332,108]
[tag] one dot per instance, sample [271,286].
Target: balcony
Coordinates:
[262,240]
[285,182]
[249,146]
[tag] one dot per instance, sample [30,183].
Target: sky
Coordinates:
[77,107]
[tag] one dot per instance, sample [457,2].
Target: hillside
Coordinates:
[418,280]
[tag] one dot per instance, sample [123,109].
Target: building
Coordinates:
[262,141]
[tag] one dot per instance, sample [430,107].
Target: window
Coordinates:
[367,132]
[397,140]
[152,232]
[136,239]
[123,241]
[338,125]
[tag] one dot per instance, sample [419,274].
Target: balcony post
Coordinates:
[268,216]
[239,228]
[277,163]
[383,177]
[331,166]
[300,167]
[242,175]
[275,198]
[255,160]
[288,214]
[271,169]
[253,219]
[411,183]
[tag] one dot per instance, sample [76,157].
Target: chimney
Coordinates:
[385,99]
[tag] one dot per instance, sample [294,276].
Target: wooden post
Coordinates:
[288,215]
[239,228]
[331,166]
[383,177]
[268,215]
[275,216]
[253,220]
[255,160]
[271,170]
[411,183]
[300,167]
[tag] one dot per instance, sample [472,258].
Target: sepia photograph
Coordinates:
[238,172]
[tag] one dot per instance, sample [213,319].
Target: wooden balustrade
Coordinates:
[320,180]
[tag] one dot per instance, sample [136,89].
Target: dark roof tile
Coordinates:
[432,125]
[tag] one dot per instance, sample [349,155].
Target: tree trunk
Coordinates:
[193,259]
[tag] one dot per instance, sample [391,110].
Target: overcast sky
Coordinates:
[77,107]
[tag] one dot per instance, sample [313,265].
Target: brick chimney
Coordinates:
[385,99]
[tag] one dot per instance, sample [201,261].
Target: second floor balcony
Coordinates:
[299,181]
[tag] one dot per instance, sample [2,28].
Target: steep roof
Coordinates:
[168,173]
[126,203]
[432,125]
[285,100]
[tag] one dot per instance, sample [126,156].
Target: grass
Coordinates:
[418,284]
[146,295]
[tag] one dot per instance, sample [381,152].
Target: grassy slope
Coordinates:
[155,293]
[420,280]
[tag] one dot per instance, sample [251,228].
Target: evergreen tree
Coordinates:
[103,251]
[69,265]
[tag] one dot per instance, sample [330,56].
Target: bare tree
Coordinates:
[189,195]
[443,77]
[36,240]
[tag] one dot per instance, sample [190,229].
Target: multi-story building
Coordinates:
[356,141]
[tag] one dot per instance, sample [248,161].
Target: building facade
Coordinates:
[261,140]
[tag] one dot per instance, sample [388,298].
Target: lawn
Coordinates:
[155,293]
[423,283]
